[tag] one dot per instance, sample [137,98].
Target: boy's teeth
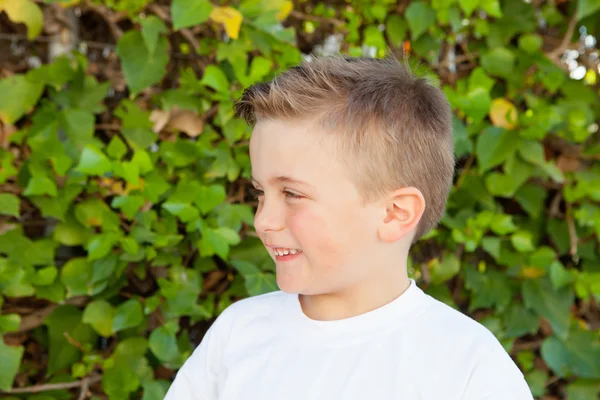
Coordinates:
[285,252]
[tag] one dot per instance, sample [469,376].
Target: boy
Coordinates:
[352,162]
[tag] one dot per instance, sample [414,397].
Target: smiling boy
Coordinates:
[352,162]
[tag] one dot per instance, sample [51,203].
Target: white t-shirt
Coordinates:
[414,348]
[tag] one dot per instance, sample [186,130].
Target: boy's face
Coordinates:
[310,209]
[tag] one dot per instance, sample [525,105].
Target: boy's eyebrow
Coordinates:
[284,179]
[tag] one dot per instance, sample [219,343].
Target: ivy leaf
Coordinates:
[78,125]
[586,8]
[494,146]
[9,204]
[468,6]
[163,343]
[66,320]
[128,315]
[136,124]
[395,29]
[499,62]
[142,68]
[442,271]
[11,360]
[577,356]
[93,162]
[25,11]
[100,314]
[152,27]
[420,17]
[9,323]
[215,78]
[208,197]
[188,13]
[257,282]
[554,305]
[19,95]
[230,18]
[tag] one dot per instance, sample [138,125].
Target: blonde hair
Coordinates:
[395,128]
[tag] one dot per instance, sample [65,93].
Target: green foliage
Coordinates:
[123,176]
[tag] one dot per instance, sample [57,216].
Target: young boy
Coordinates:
[352,161]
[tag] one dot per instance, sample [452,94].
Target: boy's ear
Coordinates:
[403,210]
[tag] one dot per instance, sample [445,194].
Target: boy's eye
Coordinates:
[256,193]
[291,195]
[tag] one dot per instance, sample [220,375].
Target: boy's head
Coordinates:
[353,161]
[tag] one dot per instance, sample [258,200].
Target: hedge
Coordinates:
[126,226]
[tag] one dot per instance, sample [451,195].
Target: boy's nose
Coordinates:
[268,217]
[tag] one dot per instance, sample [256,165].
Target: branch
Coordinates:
[555,54]
[37,318]
[83,383]
[106,14]
[313,18]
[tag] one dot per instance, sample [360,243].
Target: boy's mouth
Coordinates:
[284,254]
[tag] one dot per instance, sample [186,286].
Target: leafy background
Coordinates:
[125,224]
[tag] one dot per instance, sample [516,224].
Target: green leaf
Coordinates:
[116,148]
[487,289]
[75,275]
[27,12]
[163,343]
[128,315]
[215,78]
[137,127]
[522,241]
[141,67]
[11,360]
[257,282]
[217,241]
[9,204]
[39,185]
[501,185]
[100,245]
[78,125]
[582,389]
[519,321]
[586,8]
[444,270]
[560,276]
[554,305]
[531,197]
[530,42]
[187,13]
[395,29]
[71,233]
[494,146]
[468,6]
[152,27]
[462,143]
[420,17]
[45,276]
[208,197]
[93,162]
[576,356]
[499,62]
[19,95]
[9,323]
[66,320]
[100,314]
[476,104]
[153,390]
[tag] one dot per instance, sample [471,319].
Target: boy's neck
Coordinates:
[353,301]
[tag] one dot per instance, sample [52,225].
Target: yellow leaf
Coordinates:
[25,11]
[285,10]
[230,18]
[503,113]
[532,272]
